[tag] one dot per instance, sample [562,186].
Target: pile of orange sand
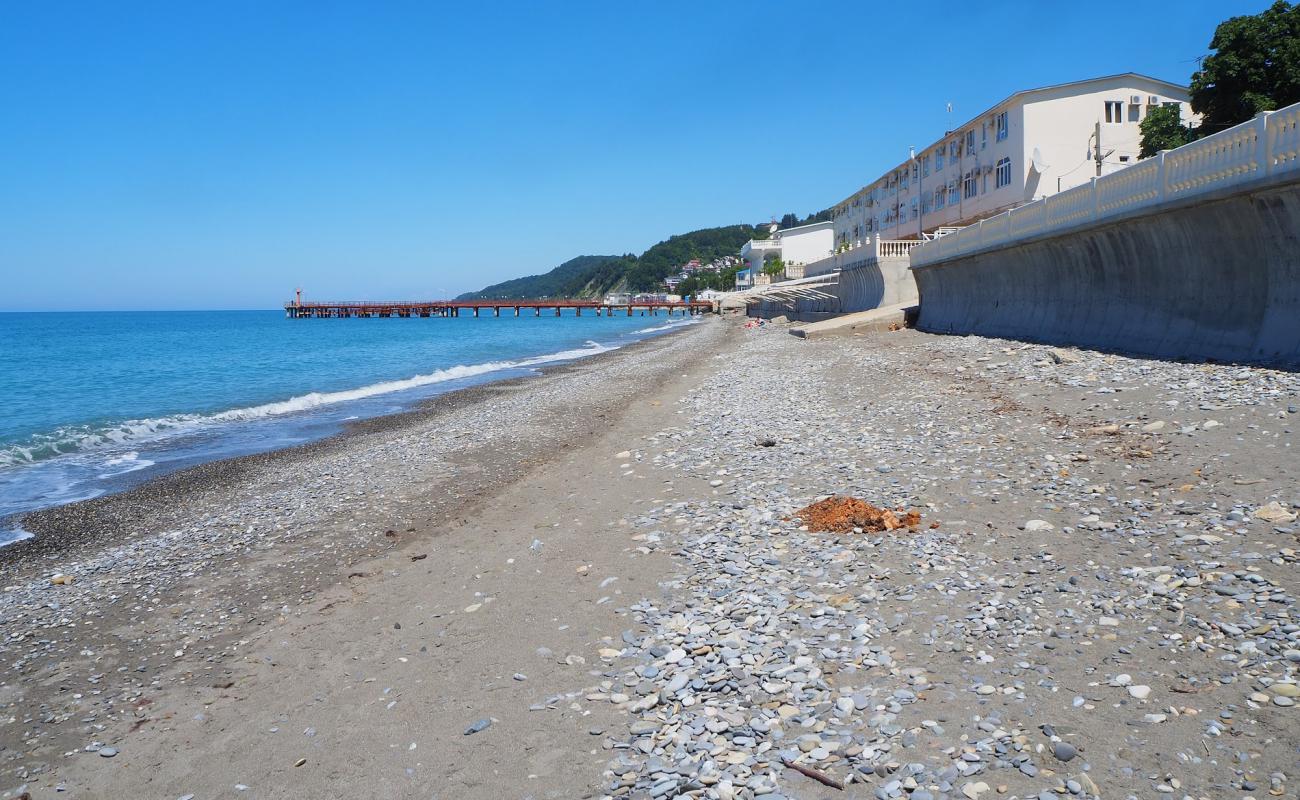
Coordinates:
[844,514]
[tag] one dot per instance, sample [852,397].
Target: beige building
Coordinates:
[1033,144]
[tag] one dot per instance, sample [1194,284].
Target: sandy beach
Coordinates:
[595,583]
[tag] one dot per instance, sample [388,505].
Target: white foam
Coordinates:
[668,326]
[127,462]
[11,535]
[78,439]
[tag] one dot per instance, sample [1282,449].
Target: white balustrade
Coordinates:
[1267,145]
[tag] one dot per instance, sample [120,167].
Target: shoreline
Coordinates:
[101,518]
[156,626]
[611,594]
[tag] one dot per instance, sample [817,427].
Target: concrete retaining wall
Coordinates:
[878,282]
[1218,279]
[881,282]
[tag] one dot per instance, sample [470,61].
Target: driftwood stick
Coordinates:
[817,775]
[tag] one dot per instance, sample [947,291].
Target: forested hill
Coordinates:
[595,276]
[550,284]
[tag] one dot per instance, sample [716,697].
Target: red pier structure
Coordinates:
[342,309]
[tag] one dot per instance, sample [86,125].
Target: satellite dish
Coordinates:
[1036,160]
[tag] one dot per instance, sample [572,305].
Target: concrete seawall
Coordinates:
[876,283]
[1215,279]
[881,282]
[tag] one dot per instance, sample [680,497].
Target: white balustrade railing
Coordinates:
[894,248]
[1267,145]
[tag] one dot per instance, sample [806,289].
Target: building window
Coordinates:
[984,135]
[952,151]
[970,140]
[968,185]
[1134,112]
[938,160]
[1003,173]
[954,193]
[939,195]
[913,208]
[925,166]
[1002,126]
[1114,111]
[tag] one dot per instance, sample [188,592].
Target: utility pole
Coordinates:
[1097,155]
[1097,152]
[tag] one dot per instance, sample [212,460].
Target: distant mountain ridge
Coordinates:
[548,284]
[596,276]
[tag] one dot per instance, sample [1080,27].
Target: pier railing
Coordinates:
[1264,146]
[319,309]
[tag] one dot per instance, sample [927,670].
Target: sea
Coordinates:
[93,403]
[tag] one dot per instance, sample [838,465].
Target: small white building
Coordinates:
[1034,143]
[795,246]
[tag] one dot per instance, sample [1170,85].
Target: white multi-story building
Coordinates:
[1032,144]
[794,246]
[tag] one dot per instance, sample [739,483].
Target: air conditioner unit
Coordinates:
[1135,100]
[1153,100]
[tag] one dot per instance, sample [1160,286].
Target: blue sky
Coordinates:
[216,155]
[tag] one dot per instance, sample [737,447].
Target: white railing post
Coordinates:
[1162,181]
[1263,147]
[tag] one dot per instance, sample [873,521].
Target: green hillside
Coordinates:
[550,284]
[595,276]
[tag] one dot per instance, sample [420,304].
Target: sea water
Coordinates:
[96,402]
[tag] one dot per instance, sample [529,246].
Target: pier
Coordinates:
[344,309]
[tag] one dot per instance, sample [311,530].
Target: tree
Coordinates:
[1163,129]
[1255,67]
[773,266]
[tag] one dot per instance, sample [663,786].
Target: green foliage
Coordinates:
[773,266]
[1163,129]
[793,221]
[550,284]
[719,281]
[1255,67]
[594,276]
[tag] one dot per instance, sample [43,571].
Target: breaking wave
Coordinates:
[76,439]
[667,326]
